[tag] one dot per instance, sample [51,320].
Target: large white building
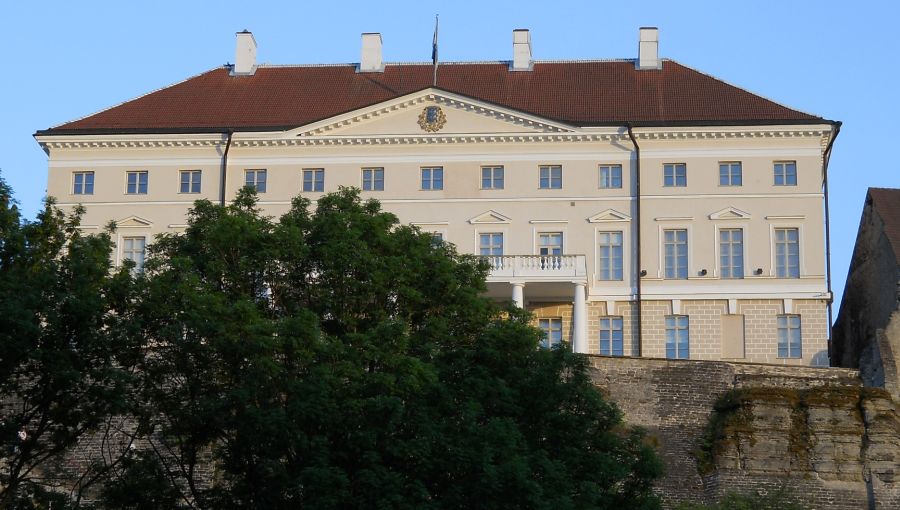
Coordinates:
[638,207]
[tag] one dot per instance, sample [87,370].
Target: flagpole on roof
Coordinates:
[434,51]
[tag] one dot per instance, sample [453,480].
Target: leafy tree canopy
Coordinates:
[60,347]
[336,359]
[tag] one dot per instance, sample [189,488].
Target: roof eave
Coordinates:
[226,129]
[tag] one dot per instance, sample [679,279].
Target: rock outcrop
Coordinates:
[728,427]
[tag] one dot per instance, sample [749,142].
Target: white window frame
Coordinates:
[255,183]
[313,180]
[375,180]
[190,181]
[774,250]
[676,329]
[492,178]
[662,250]
[610,177]
[721,269]
[547,341]
[547,261]
[597,234]
[731,174]
[137,184]
[675,167]
[608,325]
[84,174]
[491,245]
[486,229]
[785,330]
[431,179]
[550,180]
[128,254]
[784,175]
[437,236]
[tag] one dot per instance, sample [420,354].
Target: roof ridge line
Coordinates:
[452,63]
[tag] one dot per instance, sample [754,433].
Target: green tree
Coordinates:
[337,359]
[60,341]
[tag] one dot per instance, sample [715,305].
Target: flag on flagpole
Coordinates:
[434,51]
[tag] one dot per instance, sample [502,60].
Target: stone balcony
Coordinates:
[537,268]
[548,278]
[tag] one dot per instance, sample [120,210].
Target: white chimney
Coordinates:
[244,54]
[522,50]
[648,49]
[370,61]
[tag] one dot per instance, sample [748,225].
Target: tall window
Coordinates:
[610,176]
[678,338]
[787,253]
[314,179]
[83,183]
[674,175]
[432,178]
[490,245]
[611,339]
[730,174]
[731,252]
[256,179]
[789,341]
[492,177]
[676,254]
[134,250]
[552,329]
[136,183]
[609,253]
[373,179]
[550,249]
[785,173]
[190,181]
[551,177]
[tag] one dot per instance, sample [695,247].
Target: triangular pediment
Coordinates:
[489,218]
[133,221]
[730,213]
[609,215]
[431,112]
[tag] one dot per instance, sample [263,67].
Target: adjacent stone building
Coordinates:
[639,207]
[867,329]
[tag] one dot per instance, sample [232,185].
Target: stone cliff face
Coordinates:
[756,428]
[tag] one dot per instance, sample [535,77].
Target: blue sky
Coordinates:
[65,60]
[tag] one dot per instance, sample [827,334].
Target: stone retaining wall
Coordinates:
[816,431]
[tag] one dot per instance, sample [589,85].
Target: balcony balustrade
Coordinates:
[547,268]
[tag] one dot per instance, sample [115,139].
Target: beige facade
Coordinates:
[561,191]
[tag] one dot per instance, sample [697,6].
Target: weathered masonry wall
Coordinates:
[816,431]
[757,342]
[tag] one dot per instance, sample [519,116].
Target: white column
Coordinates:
[579,320]
[518,294]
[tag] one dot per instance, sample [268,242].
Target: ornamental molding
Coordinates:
[138,141]
[433,97]
[490,217]
[608,216]
[134,222]
[432,119]
[123,144]
[714,133]
[730,213]
[429,139]
[302,138]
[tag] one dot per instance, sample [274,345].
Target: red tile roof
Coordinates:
[886,202]
[580,93]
